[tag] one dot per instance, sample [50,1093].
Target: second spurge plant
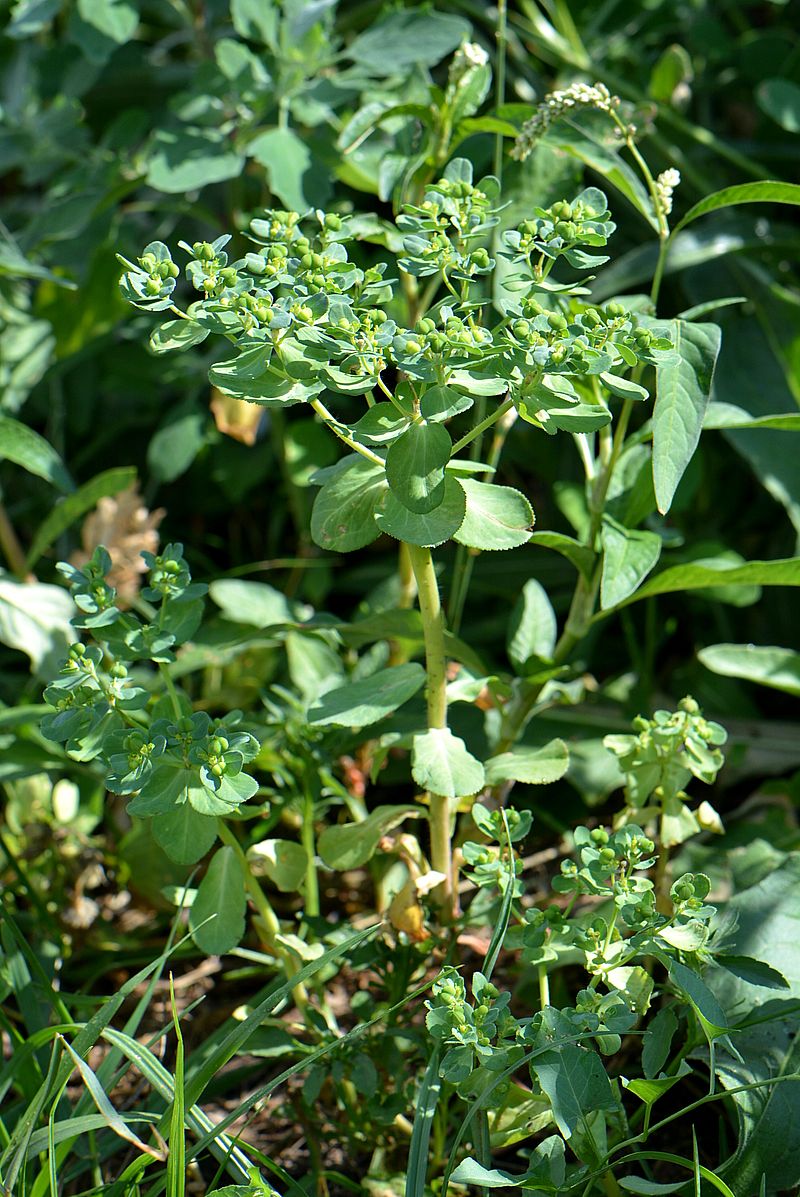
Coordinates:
[503,334]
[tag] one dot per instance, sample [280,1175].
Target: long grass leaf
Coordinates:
[427,1101]
[104,1106]
[176,1163]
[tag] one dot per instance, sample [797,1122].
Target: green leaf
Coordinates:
[293,175]
[184,834]
[765,917]
[189,159]
[415,466]
[343,516]
[442,403]
[768,1151]
[657,1041]
[26,448]
[283,861]
[727,415]
[576,553]
[71,508]
[649,1090]
[114,19]
[35,618]
[379,423]
[361,703]
[780,99]
[532,628]
[177,443]
[629,554]
[769,192]
[705,1005]
[683,386]
[256,21]
[754,972]
[177,334]
[533,766]
[497,517]
[351,845]
[624,388]
[253,603]
[417,39]
[705,575]
[576,1083]
[778,668]
[221,899]
[441,764]
[425,530]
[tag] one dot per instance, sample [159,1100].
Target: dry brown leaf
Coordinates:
[126,528]
[235,417]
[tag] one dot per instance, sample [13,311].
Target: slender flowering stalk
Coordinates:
[558,104]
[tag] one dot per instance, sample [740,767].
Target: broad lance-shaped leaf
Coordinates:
[628,556]
[370,699]
[350,845]
[784,571]
[343,515]
[497,517]
[532,628]
[769,191]
[683,387]
[220,900]
[763,664]
[441,764]
[26,448]
[415,466]
[71,508]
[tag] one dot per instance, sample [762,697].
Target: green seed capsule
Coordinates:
[557,322]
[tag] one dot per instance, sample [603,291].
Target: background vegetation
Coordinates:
[128,121]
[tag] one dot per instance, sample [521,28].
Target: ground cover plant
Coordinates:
[460,853]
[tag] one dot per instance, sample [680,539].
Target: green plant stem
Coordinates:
[337,430]
[661,882]
[163,669]
[500,80]
[479,429]
[269,919]
[12,549]
[436,695]
[544,986]
[309,843]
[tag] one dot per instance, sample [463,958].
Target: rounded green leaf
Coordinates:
[497,517]
[441,764]
[352,844]
[533,766]
[184,834]
[283,861]
[343,516]
[415,466]
[629,554]
[429,530]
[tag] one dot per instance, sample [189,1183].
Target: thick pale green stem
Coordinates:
[309,843]
[268,917]
[436,693]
